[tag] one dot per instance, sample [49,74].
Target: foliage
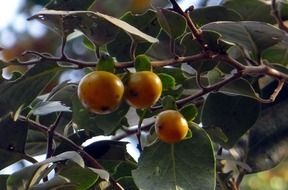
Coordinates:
[223,68]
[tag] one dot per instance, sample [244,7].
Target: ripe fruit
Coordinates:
[143,89]
[171,127]
[139,6]
[100,92]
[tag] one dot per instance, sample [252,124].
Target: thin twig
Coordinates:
[50,136]
[94,163]
[274,95]
[277,16]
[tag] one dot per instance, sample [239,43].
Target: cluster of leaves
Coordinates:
[216,64]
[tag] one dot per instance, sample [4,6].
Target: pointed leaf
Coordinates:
[254,36]
[189,164]
[20,93]
[47,107]
[168,20]
[12,141]
[234,115]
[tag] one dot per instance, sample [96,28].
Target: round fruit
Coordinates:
[100,92]
[143,89]
[139,6]
[171,127]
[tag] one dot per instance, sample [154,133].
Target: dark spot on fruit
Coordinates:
[160,127]
[104,108]
[133,93]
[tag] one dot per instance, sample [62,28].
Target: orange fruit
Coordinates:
[171,127]
[100,92]
[143,89]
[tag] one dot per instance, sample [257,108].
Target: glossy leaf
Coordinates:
[20,93]
[163,166]
[233,115]
[98,27]
[106,63]
[168,81]
[254,36]
[80,178]
[209,14]
[12,141]
[168,20]
[277,54]
[142,63]
[189,112]
[47,107]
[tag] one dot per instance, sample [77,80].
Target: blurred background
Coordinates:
[18,35]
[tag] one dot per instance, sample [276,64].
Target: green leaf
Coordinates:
[189,112]
[127,182]
[20,93]
[78,138]
[254,36]
[98,27]
[265,146]
[47,107]
[168,81]
[147,23]
[168,103]
[57,182]
[168,20]
[81,178]
[3,180]
[12,141]
[97,124]
[256,10]
[189,164]
[106,63]
[176,73]
[27,177]
[69,5]
[142,63]
[209,14]
[36,143]
[233,115]
[277,54]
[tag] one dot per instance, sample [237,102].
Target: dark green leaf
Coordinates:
[142,63]
[98,27]
[168,20]
[168,103]
[256,10]
[69,5]
[81,178]
[277,54]
[168,81]
[206,15]
[254,36]
[20,93]
[3,180]
[189,164]
[176,73]
[57,182]
[97,123]
[107,150]
[36,143]
[233,115]
[189,112]
[12,141]
[267,140]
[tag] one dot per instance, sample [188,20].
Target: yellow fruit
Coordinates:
[143,89]
[100,92]
[171,127]
[139,6]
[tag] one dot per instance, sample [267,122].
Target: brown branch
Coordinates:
[94,163]
[195,31]
[277,16]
